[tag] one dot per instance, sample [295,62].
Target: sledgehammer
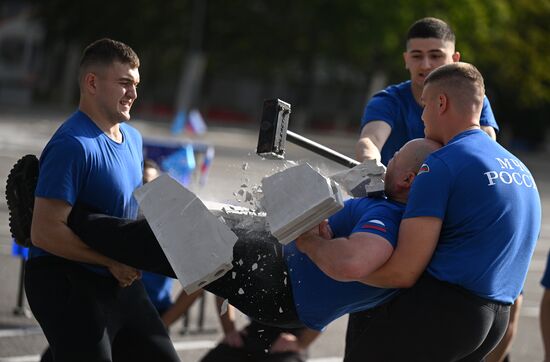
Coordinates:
[274,133]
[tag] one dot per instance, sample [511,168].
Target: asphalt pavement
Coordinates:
[235,167]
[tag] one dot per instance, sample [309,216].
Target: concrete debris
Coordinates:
[206,252]
[298,199]
[223,307]
[365,179]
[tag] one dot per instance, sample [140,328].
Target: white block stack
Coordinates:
[297,199]
[198,246]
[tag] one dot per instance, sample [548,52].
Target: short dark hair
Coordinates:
[105,52]
[461,78]
[431,28]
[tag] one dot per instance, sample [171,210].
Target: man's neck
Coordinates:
[417,93]
[400,197]
[111,129]
[460,130]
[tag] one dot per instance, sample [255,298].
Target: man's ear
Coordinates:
[408,180]
[443,102]
[90,82]
[405,60]
[456,57]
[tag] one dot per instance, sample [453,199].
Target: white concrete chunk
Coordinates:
[297,199]
[362,180]
[198,246]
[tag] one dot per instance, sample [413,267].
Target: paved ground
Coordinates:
[235,165]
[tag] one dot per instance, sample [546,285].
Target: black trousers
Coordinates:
[258,285]
[83,314]
[257,341]
[432,321]
[357,323]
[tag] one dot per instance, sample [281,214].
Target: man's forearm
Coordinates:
[417,241]
[346,259]
[59,240]
[50,232]
[179,307]
[227,319]
[373,137]
[321,252]
[306,338]
[365,149]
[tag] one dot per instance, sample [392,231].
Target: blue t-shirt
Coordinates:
[82,164]
[396,106]
[491,213]
[159,290]
[320,299]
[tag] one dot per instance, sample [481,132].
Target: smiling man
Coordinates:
[82,299]
[393,116]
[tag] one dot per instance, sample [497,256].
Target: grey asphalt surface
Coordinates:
[235,165]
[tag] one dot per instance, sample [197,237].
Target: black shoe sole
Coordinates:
[20,188]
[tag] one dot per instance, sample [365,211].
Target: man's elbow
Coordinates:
[36,238]
[39,237]
[404,280]
[390,280]
[404,283]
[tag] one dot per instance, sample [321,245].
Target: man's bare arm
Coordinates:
[287,342]
[417,241]
[490,131]
[231,335]
[50,232]
[181,305]
[373,137]
[346,259]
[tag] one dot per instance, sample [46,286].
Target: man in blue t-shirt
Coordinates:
[393,116]
[351,244]
[82,299]
[466,239]
[267,283]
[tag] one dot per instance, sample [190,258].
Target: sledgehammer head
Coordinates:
[273,129]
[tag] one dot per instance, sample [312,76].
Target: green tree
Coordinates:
[353,39]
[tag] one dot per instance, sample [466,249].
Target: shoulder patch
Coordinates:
[424,169]
[375,225]
[374,221]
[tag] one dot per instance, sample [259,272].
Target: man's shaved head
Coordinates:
[405,164]
[416,151]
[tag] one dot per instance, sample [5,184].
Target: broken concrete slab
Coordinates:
[365,179]
[297,199]
[198,246]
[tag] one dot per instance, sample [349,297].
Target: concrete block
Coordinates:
[362,180]
[297,199]
[198,246]
[237,217]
